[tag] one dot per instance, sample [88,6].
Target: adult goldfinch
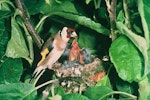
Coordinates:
[57,47]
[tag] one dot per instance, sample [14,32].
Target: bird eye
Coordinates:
[69,31]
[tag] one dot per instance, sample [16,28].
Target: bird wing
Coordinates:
[47,47]
[48,44]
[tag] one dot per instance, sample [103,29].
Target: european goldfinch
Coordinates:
[57,47]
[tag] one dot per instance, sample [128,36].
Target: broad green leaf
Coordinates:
[87,39]
[95,42]
[144,89]
[82,20]
[103,93]
[138,41]
[94,93]
[124,86]
[17,91]
[58,91]
[10,70]
[3,38]
[48,6]
[5,8]
[143,8]
[16,47]
[38,6]
[28,37]
[104,82]
[127,59]
[74,97]
[68,6]
[72,11]
[69,10]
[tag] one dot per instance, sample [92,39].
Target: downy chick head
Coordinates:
[67,33]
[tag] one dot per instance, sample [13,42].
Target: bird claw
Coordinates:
[37,71]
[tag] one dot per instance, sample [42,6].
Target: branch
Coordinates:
[127,15]
[28,24]
[111,7]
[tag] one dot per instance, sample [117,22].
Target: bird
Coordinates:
[52,51]
[74,51]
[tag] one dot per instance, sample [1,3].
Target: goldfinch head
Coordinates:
[67,33]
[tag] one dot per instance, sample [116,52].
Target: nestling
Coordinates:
[57,47]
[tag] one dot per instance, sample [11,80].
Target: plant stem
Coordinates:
[127,15]
[40,22]
[118,92]
[36,88]
[111,7]
[38,77]
[98,3]
[24,16]
[46,83]
[95,4]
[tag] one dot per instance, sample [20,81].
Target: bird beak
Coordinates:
[73,34]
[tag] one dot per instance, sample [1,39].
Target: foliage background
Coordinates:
[128,69]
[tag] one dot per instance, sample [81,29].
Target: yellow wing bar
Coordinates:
[43,54]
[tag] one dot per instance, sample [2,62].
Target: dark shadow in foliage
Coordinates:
[47,75]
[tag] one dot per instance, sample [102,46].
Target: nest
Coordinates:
[79,71]
[77,78]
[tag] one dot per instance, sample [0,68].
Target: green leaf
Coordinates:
[10,70]
[121,16]
[84,21]
[74,97]
[28,37]
[126,59]
[3,38]
[94,93]
[124,86]
[58,91]
[138,41]
[38,6]
[69,10]
[104,82]
[87,39]
[16,47]
[144,89]
[144,7]
[69,6]
[5,9]
[72,11]
[17,91]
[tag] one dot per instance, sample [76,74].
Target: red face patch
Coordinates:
[70,29]
[68,35]
[69,32]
